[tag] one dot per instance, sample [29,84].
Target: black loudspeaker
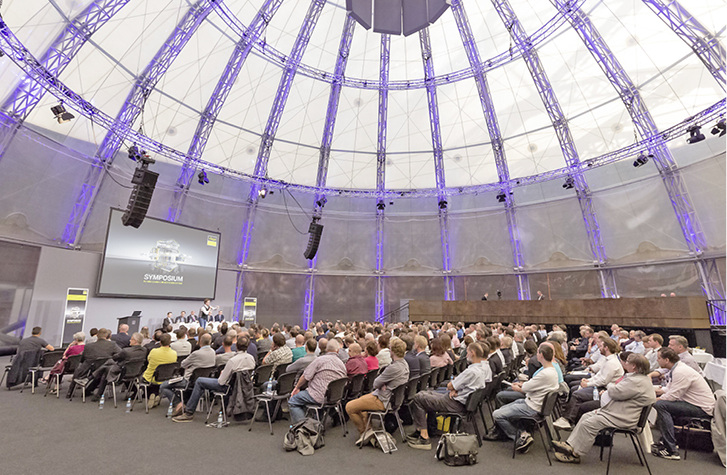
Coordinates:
[144,183]
[315,230]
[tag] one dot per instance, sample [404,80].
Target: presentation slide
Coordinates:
[159,259]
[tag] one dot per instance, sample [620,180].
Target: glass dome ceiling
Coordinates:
[671,79]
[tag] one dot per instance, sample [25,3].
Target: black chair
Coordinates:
[130,373]
[633,433]
[446,375]
[70,367]
[424,381]
[434,377]
[398,396]
[285,386]
[48,359]
[281,369]
[222,395]
[260,356]
[471,408]
[86,379]
[488,395]
[333,400]
[539,421]
[355,387]
[162,373]
[261,375]
[181,358]
[7,370]
[689,424]
[369,381]
[196,374]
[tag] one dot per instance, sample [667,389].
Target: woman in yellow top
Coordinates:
[158,356]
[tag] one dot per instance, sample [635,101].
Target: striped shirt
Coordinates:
[324,369]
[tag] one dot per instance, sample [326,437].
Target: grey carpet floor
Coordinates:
[40,434]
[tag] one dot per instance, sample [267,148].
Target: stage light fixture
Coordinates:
[694,134]
[202,178]
[135,154]
[642,160]
[719,128]
[568,185]
[263,192]
[502,197]
[443,204]
[61,114]
[380,206]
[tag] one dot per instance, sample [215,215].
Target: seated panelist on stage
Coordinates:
[168,320]
[219,317]
[182,318]
[192,318]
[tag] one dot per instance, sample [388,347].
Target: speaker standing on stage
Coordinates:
[205,313]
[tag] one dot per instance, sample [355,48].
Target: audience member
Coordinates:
[621,404]
[242,361]
[111,370]
[476,376]
[318,375]
[372,349]
[202,358]
[393,376]
[34,342]
[298,349]
[356,363]
[439,357]
[182,347]
[158,356]
[280,353]
[384,354]
[687,394]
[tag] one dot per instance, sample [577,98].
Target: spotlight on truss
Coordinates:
[694,134]
[61,114]
[642,160]
[568,185]
[202,177]
[719,128]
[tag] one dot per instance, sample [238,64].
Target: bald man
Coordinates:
[299,349]
[122,338]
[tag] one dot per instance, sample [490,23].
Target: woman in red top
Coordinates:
[372,349]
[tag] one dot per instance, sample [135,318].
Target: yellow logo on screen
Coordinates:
[211,240]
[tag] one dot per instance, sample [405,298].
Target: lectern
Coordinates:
[132,320]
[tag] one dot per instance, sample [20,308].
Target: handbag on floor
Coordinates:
[458,449]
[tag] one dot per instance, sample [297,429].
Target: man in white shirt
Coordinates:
[637,346]
[242,361]
[181,345]
[610,370]
[536,389]
[681,346]
[687,394]
[653,344]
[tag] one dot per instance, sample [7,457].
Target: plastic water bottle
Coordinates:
[170,410]
[219,420]
[128,405]
[101,401]
[269,386]
[596,396]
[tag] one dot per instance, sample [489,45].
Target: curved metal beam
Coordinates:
[16,52]
[435,127]
[493,129]
[131,109]
[216,102]
[641,117]
[565,139]
[268,137]
[384,61]
[277,57]
[704,43]
[344,48]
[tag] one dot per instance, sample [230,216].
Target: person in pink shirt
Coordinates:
[372,349]
[74,348]
[439,357]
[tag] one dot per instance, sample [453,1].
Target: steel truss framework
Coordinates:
[268,137]
[435,127]
[216,101]
[63,49]
[565,139]
[710,279]
[385,56]
[329,125]
[132,108]
[493,129]
[274,56]
[16,52]
[703,42]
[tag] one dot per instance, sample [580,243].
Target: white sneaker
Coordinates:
[562,424]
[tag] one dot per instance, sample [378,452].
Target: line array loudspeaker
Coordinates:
[315,230]
[144,181]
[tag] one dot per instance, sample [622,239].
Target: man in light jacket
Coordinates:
[621,406]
